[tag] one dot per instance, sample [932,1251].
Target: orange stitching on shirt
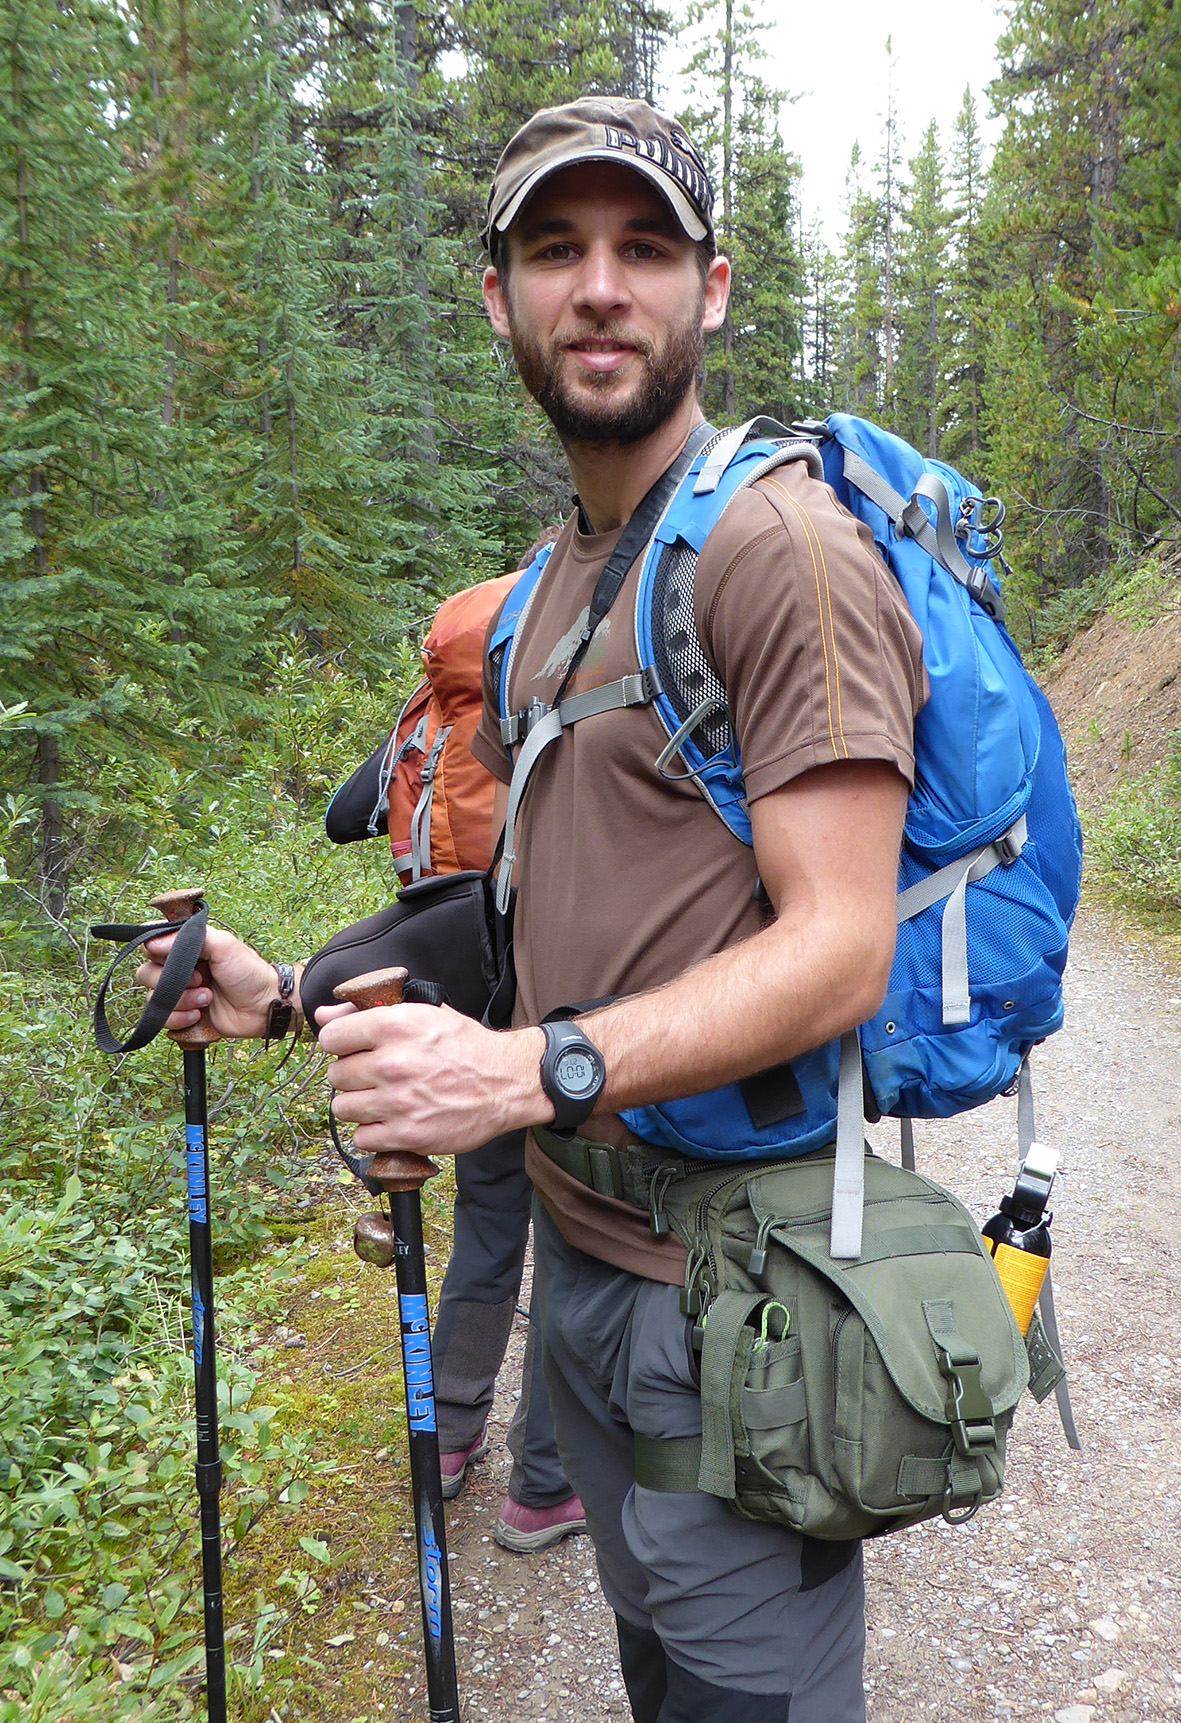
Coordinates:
[823,604]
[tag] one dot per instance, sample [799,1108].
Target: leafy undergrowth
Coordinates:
[1134,849]
[100,1596]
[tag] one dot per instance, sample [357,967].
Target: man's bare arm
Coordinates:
[827,849]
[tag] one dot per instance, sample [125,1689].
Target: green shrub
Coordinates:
[1137,836]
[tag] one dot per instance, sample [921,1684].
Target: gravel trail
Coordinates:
[1061,1601]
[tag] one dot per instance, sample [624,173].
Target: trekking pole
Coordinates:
[402,1176]
[179,906]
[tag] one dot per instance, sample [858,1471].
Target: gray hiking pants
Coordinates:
[475,1319]
[712,1608]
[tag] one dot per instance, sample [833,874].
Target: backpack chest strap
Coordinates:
[542,725]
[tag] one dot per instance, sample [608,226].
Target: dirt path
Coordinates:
[1064,1600]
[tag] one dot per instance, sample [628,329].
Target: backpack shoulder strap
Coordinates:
[537,726]
[691,704]
[512,613]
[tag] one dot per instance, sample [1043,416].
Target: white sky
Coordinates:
[832,54]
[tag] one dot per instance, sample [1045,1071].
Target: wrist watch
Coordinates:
[573,1072]
[286,1007]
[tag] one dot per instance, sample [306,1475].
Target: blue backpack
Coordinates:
[992,852]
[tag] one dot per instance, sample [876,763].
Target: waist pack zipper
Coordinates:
[836,1336]
[701,1270]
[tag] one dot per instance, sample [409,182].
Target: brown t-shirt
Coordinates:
[626,877]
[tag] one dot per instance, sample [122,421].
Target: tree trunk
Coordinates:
[418,333]
[52,875]
[51,865]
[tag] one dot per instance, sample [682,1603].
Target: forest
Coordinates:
[255,426]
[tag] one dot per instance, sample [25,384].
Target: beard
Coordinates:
[669,370]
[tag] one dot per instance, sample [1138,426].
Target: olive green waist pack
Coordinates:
[841,1398]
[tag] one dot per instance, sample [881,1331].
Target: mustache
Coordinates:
[616,332]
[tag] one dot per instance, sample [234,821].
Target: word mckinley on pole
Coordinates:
[186,916]
[399,1239]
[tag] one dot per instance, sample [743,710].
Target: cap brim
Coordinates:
[668,188]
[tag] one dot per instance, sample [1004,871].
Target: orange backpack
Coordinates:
[439,795]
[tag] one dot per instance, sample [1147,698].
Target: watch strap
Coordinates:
[570,1111]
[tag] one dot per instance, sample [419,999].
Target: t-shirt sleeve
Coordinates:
[487,746]
[809,631]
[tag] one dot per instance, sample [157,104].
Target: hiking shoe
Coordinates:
[530,1529]
[454,1466]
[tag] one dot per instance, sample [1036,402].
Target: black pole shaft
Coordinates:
[205,1375]
[434,1584]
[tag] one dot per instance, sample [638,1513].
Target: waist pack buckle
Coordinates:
[970,1414]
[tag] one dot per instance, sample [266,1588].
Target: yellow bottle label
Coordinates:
[1022,1275]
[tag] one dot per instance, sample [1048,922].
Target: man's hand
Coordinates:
[425,1078]
[237,996]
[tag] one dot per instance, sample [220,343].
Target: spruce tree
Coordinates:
[735,121]
[971,277]
[860,383]
[100,622]
[922,271]
[1074,125]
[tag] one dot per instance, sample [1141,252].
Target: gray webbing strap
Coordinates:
[848,1173]
[952,882]
[1049,1316]
[906,1132]
[639,689]
[1026,1132]
[910,518]
[1026,1126]
[872,485]
[946,548]
[727,446]
[393,758]
[420,819]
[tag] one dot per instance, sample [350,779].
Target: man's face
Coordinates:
[604,304]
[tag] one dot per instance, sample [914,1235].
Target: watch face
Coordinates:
[576,1072]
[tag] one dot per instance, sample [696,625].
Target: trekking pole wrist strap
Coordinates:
[175,975]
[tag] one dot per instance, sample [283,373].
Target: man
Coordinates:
[604,278]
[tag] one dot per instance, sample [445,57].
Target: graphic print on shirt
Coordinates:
[558,662]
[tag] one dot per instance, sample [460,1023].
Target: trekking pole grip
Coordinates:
[396,1170]
[179,906]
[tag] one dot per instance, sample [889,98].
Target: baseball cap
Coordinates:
[607,129]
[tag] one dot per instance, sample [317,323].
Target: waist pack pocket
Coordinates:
[754,1418]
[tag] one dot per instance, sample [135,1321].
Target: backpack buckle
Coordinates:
[973,1426]
[534,712]
[518,726]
